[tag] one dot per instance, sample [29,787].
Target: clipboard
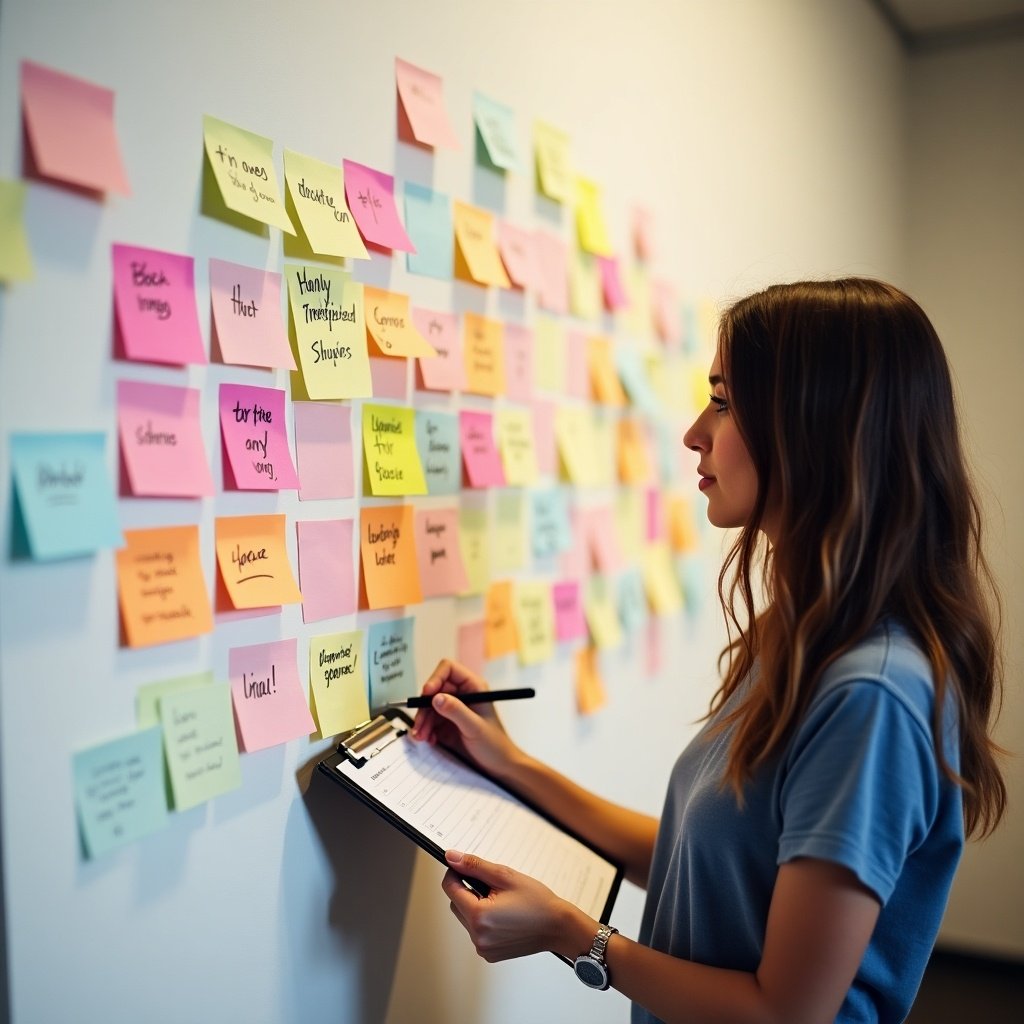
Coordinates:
[440,801]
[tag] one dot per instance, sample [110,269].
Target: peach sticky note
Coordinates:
[246,304]
[635,465]
[438,551]
[163,595]
[270,705]
[390,325]
[554,172]
[422,117]
[446,371]
[552,272]
[392,460]
[255,440]
[155,302]
[643,233]
[518,345]
[162,441]
[326,573]
[483,355]
[337,682]
[515,442]
[317,192]
[70,127]
[518,253]
[499,620]
[604,380]
[390,574]
[535,622]
[590,692]
[469,645]
[476,251]
[667,321]
[480,456]
[323,450]
[253,561]
[371,198]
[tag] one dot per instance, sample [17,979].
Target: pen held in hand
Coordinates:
[472,697]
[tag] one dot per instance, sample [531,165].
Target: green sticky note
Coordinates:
[497,127]
[147,698]
[15,258]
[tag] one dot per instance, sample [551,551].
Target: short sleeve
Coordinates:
[861,784]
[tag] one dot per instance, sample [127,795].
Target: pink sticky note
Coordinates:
[439,553]
[270,705]
[155,300]
[323,450]
[469,645]
[602,537]
[326,573]
[253,432]
[161,440]
[552,272]
[70,127]
[388,377]
[518,362]
[371,198]
[655,514]
[544,440]
[247,313]
[422,116]
[518,252]
[569,621]
[577,373]
[667,321]
[446,371]
[479,454]
[611,284]
[653,653]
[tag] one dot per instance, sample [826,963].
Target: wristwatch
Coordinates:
[590,967]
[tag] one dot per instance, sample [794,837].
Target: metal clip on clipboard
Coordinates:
[370,738]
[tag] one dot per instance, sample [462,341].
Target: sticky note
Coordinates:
[682,525]
[631,600]
[469,645]
[422,117]
[479,454]
[428,222]
[437,439]
[550,531]
[642,225]
[667,319]
[659,580]
[390,325]
[476,250]
[604,426]
[499,620]
[162,591]
[392,462]
[604,380]
[552,272]
[270,705]
[438,552]
[254,437]
[514,428]
[337,682]
[162,440]
[326,573]
[518,253]
[655,519]
[577,372]
[483,355]
[253,561]
[243,165]
[637,316]
[246,303]
[387,545]
[323,450]
[591,695]
[200,744]
[508,533]
[568,611]
[148,697]
[390,379]
[445,371]
[391,656]
[496,124]
[517,342]
[601,614]
[585,298]
[574,433]
[633,375]
[317,192]
[15,258]
[476,551]
[553,167]
[535,622]
[634,459]
[549,355]
[119,791]
[630,522]
[371,198]
[155,303]
[327,317]
[69,123]
[590,223]
[64,494]
[612,289]
[544,436]
[603,538]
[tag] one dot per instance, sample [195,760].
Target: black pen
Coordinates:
[472,697]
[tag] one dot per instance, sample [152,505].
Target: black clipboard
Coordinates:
[356,753]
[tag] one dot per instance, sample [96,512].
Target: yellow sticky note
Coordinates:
[253,560]
[484,354]
[243,164]
[474,544]
[660,581]
[507,533]
[590,223]
[630,522]
[637,318]
[590,692]
[317,191]
[603,431]
[337,682]
[476,250]
[682,525]
[604,378]
[549,356]
[584,286]
[600,612]
[499,620]
[15,258]
[554,171]
[535,622]
[574,432]
[392,460]
[634,460]
[517,446]
[389,324]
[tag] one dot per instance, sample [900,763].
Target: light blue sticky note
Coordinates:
[692,576]
[392,662]
[635,379]
[428,222]
[65,496]
[119,790]
[437,440]
[632,600]
[550,529]
[667,443]
[496,124]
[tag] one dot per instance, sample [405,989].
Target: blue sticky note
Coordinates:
[64,493]
[119,790]
[428,222]
[437,441]
[550,529]
[389,648]
[496,125]
[632,600]
[635,378]
[692,576]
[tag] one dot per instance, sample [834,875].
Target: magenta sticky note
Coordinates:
[470,645]
[270,702]
[518,362]
[446,371]
[552,272]
[570,623]
[70,127]
[323,450]
[326,569]
[480,456]
[438,552]
[155,302]
[371,198]
[577,373]
[247,314]
[611,283]
[162,441]
[255,440]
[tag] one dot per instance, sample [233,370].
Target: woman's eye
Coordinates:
[720,404]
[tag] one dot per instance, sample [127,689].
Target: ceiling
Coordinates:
[927,24]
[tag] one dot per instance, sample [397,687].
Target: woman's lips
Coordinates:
[705,482]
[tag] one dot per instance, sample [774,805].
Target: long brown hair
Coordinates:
[842,394]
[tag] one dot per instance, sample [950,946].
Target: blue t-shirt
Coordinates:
[859,785]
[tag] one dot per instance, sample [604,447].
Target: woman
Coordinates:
[812,829]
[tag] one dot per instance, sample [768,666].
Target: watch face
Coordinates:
[590,972]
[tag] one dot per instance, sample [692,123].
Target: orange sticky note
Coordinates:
[635,465]
[590,692]
[253,561]
[476,250]
[682,528]
[603,377]
[499,620]
[483,351]
[160,582]
[390,325]
[390,572]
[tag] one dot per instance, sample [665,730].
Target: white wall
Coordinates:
[769,140]
[966,264]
